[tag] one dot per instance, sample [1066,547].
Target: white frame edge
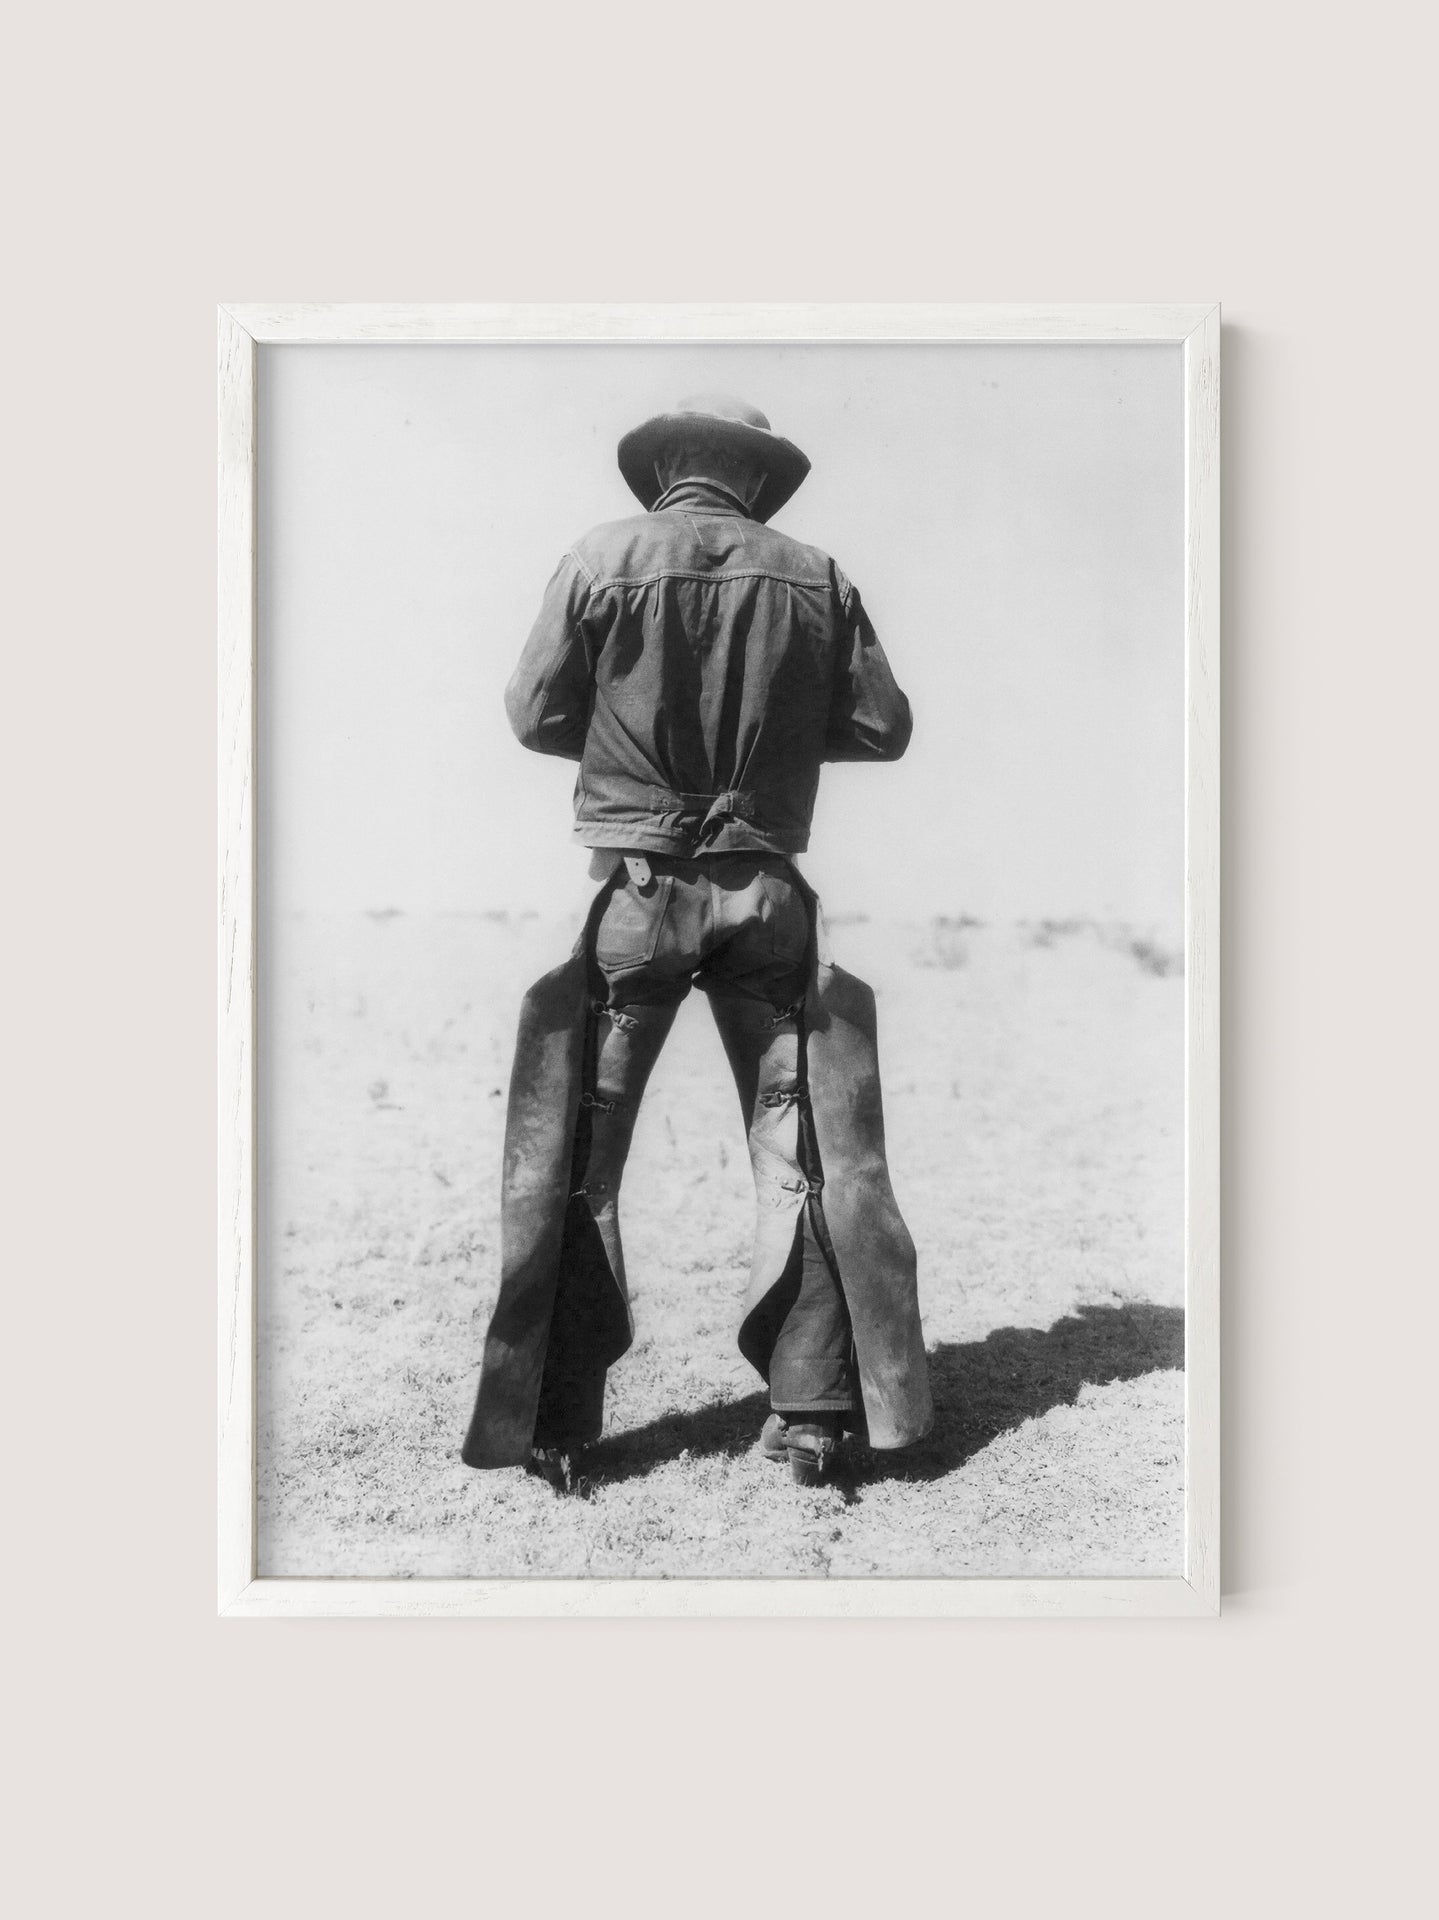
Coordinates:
[237,1135]
[242,1594]
[1202,956]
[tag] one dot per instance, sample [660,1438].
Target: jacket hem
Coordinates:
[643,836]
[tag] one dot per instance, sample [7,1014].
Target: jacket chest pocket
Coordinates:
[629,931]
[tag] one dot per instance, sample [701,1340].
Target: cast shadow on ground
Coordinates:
[982,1388]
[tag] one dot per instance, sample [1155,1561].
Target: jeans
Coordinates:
[737,926]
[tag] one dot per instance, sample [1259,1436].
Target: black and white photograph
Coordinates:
[721,967]
[719,961]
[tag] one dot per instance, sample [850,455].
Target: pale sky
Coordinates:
[1012,516]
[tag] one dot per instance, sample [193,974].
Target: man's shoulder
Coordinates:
[796,558]
[647,545]
[611,548]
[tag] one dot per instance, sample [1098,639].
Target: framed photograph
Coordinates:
[719,960]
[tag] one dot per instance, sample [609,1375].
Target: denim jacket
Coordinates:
[700,667]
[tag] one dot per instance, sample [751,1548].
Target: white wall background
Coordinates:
[162,157]
[1013,517]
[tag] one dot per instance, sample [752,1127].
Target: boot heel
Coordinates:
[807,1469]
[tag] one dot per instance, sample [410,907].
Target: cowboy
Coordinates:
[700,667]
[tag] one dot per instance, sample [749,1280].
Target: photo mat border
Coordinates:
[242,329]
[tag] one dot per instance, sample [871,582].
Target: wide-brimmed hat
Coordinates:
[722,421]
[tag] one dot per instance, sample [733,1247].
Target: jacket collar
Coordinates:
[698,495]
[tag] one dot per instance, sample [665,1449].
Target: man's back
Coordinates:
[702,666]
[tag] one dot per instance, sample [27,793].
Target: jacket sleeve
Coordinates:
[551,691]
[869,718]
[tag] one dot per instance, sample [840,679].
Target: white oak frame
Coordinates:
[242,329]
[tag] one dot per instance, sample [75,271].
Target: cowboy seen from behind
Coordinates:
[700,667]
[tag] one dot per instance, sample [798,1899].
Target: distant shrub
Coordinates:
[1154,955]
[1155,959]
[945,945]
[1045,933]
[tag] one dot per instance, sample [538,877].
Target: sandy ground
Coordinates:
[1033,1084]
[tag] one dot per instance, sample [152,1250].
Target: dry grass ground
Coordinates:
[1033,1080]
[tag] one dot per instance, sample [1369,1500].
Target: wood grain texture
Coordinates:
[236,611]
[697,1599]
[1202,956]
[274,324]
[241,327]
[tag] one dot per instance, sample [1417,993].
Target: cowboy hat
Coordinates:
[719,420]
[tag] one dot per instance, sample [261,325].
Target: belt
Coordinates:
[715,810]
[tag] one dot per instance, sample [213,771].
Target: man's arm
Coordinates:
[869,718]
[550,692]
